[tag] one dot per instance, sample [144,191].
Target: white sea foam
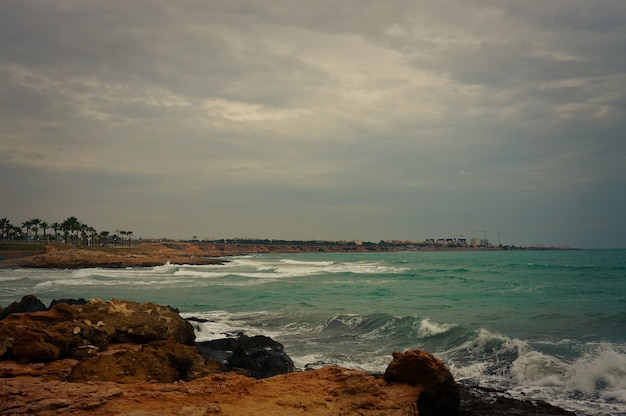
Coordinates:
[10,278]
[427,328]
[601,371]
[597,379]
[86,281]
[307,263]
[290,268]
[221,324]
[534,367]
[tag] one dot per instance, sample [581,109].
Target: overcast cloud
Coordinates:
[318,120]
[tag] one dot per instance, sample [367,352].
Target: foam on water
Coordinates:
[221,324]
[427,328]
[595,379]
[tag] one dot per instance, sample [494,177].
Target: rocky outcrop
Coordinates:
[60,256]
[162,361]
[29,303]
[119,357]
[257,356]
[81,331]
[440,393]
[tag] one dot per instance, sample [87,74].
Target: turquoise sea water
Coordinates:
[547,325]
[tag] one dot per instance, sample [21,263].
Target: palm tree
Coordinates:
[5,227]
[14,232]
[56,227]
[71,225]
[34,224]
[91,232]
[104,236]
[26,224]
[130,233]
[123,234]
[44,226]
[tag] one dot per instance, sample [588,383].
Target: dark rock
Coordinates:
[259,356]
[79,301]
[440,393]
[196,319]
[485,402]
[29,303]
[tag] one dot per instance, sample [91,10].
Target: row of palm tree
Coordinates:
[70,231]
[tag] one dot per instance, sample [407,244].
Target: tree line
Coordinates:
[70,231]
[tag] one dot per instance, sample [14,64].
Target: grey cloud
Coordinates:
[322,119]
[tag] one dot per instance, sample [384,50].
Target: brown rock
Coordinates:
[27,396]
[31,345]
[329,391]
[79,331]
[127,321]
[162,361]
[54,370]
[440,395]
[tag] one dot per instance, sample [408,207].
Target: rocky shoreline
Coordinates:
[123,358]
[149,254]
[61,256]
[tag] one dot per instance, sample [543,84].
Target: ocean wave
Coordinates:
[307,263]
[79,282]
[595,378]
[600,371]
[212,325]
[428,328]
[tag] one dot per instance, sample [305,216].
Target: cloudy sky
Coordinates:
[405,119]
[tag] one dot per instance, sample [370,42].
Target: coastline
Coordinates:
[474,401]
[142,359]
[150,254]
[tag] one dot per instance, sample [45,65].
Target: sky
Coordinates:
[283,119]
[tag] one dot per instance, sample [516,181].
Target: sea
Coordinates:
[539,325]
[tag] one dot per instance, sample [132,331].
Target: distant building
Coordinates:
[479,242]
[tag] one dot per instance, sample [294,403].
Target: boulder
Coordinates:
[30,344]
[80,331]
[440,393]
[29,303]
[161,361]
[258,356]
[127,321]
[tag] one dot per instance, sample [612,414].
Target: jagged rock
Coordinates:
[29,303]
[477,401]
[79,331]
[440,394]
[259,356]
[79,301]
[127,321]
